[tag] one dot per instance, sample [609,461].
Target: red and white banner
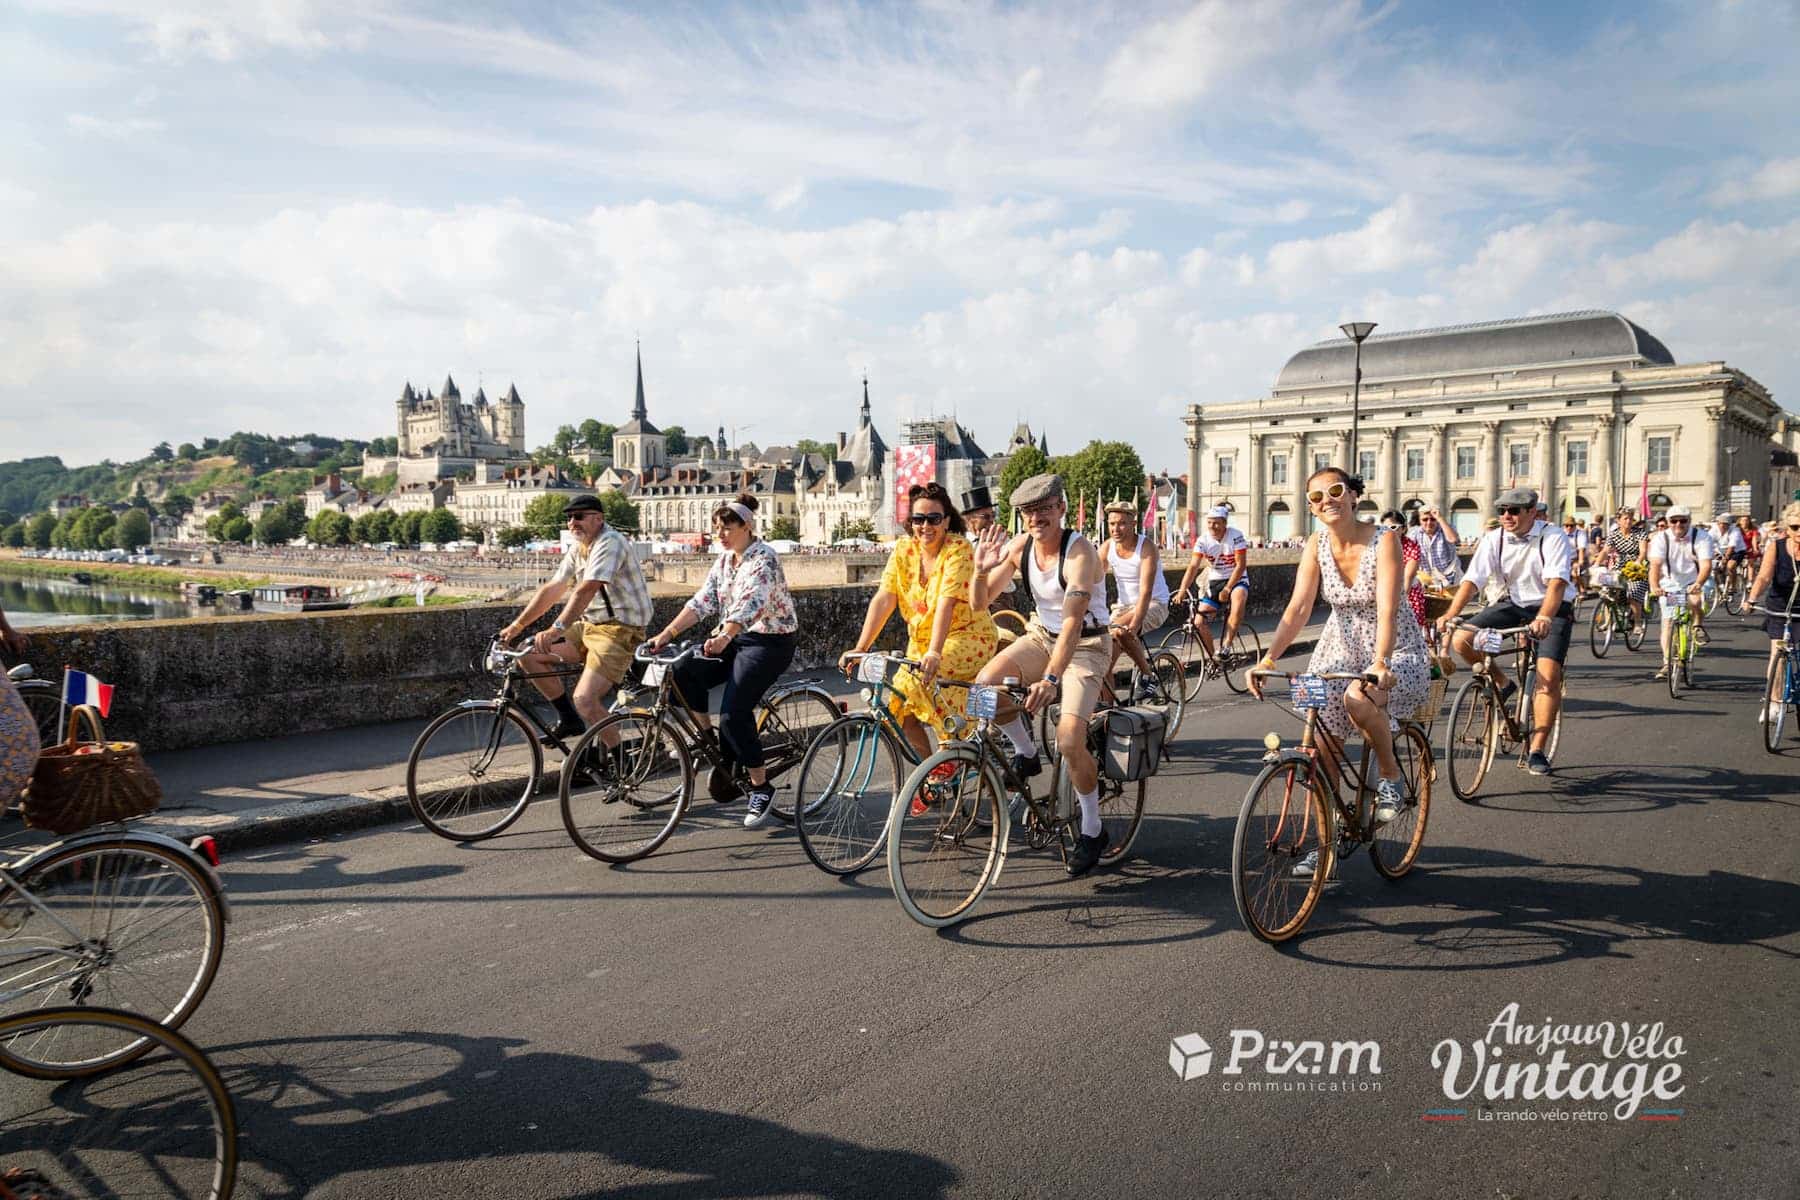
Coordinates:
[913,465]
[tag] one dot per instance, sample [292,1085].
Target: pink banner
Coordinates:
[913,465]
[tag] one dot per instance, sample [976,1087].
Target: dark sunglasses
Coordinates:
[929,518]
[1510,510]
[1678,520]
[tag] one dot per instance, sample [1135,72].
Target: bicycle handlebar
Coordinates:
[915,664]
[678,653]
[1784,614]
[1336,676]
[1463,623]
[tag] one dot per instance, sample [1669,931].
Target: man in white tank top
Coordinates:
[1066,648]
[1131,557]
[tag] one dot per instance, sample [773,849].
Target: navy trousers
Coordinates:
[748,668]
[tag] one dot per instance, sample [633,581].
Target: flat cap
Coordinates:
[583,504]
[1122,506]
[1038,489]
[976,499]
[1518,498]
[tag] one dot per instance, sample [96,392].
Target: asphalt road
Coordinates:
[403,1017]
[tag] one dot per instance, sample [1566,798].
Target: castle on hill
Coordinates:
[440,435]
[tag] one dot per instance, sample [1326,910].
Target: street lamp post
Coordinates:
[1356,331]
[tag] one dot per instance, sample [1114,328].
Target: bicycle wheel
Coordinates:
[1775,705]
[941,860]
[1121,810]
[625,786]
[166,1127]
[125,923]
[473,771]
[43,700]
[1396,845]
[1185,646]
[1244,651]
[1169,681]
[1735,594]
[1283,819]
[1600,630]
[786,724]
[1635,630]
[1680,644]
[1469,738]
[844,791]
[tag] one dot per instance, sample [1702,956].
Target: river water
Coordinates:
[34,603]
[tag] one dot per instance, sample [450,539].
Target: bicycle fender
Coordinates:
[162,840]
[1289,755]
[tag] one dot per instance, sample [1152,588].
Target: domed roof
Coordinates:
[1594,334]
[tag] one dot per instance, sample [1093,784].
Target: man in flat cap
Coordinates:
[1529,559]
[1066,649]
[603,617]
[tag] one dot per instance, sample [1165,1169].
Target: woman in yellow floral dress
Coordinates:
[927,580]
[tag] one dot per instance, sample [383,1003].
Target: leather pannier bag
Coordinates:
[1133,743]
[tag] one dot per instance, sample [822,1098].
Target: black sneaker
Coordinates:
[1025,766]
[1087,852]
[1538,763]
[1508,689]
[569,727]
[762,806]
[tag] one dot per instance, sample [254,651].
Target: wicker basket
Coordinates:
[1427,712]
[1437,605]
[77,784]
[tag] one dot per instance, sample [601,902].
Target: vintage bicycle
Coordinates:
[122,918]
[1612,618]
[1781,687]
[628,780]
[164,1126]
[1295,823]
[1482,725]
[1683,643]
[476,766]
[950,825]
[1202,662]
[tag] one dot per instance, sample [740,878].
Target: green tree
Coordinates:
[38,531]
[827,450]
[6,518]
[1099,471]
[621,513]
[275,527]
[565,439]
[132,531]
[675,440]
[92,528]
[329,528]
[63,536]
[440,525]
[177,506]
[784,529]
[238,529]
[383,524]
[187,452]
[13,536]
[161,452]
[1020,466]
[597,435]
[544,516]
[406,527]
[513,536]
[362,529]
[862,527]
[215,524]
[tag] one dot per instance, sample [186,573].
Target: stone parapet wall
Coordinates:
[208,680]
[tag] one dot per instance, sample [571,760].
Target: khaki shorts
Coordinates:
[1154,616]
[1081,682]
[607,646]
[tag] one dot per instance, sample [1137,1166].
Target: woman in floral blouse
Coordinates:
[18,730]
[927,579]
[753,642]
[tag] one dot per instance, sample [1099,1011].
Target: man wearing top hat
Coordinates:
[1529,561]
[1066,650]
[603,617]
[977,510]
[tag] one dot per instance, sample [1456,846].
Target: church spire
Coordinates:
[865,404]
[638,412]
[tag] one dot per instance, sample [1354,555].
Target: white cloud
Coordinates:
[112,128]
[1774,180]
[1395,237]
[1172,63]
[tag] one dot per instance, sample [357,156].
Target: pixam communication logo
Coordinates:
[1258,1063]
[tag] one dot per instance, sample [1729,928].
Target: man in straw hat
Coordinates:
[1066,649]
[1143,589]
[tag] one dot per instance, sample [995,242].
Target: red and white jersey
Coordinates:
[1221,552]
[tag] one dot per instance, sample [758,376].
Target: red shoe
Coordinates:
[942,773]
[919,806]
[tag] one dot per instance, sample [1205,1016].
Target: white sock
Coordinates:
[1090,812]
[1020,736]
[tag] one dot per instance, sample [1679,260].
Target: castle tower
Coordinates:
[403,407]
[510,420]
[638,445]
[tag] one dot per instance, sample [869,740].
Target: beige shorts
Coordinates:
[606,646]
[1030,656]
[1154,616]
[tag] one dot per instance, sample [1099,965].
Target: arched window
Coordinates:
[1280,523]
[1465,518]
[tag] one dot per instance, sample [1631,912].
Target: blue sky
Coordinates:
[269,216]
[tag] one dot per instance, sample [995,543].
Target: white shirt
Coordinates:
[1681,556]
[1524,564]
[1732,540]
[1221,552]
[1128,569]
[1048,590]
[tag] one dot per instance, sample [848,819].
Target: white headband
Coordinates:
[743,513]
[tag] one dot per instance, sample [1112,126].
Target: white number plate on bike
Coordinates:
[653,674]
[984,702]
[1490,641]
[1307,692]
[873,668]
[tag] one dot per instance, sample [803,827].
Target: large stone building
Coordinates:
[844,490]
[440,436]
[1582,405]
[497,499]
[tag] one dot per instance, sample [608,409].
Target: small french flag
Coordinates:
[81,688]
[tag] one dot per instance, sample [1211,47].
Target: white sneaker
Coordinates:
[1307,867]
[1388,800]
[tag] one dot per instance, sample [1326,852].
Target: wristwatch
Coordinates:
[1049,678]
[559,627]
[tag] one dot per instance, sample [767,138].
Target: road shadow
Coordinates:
[1488,910]
[432,1114]
[1607,789]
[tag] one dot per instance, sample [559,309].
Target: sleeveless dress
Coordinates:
[1348,640]
[1781,586]
[18,742]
